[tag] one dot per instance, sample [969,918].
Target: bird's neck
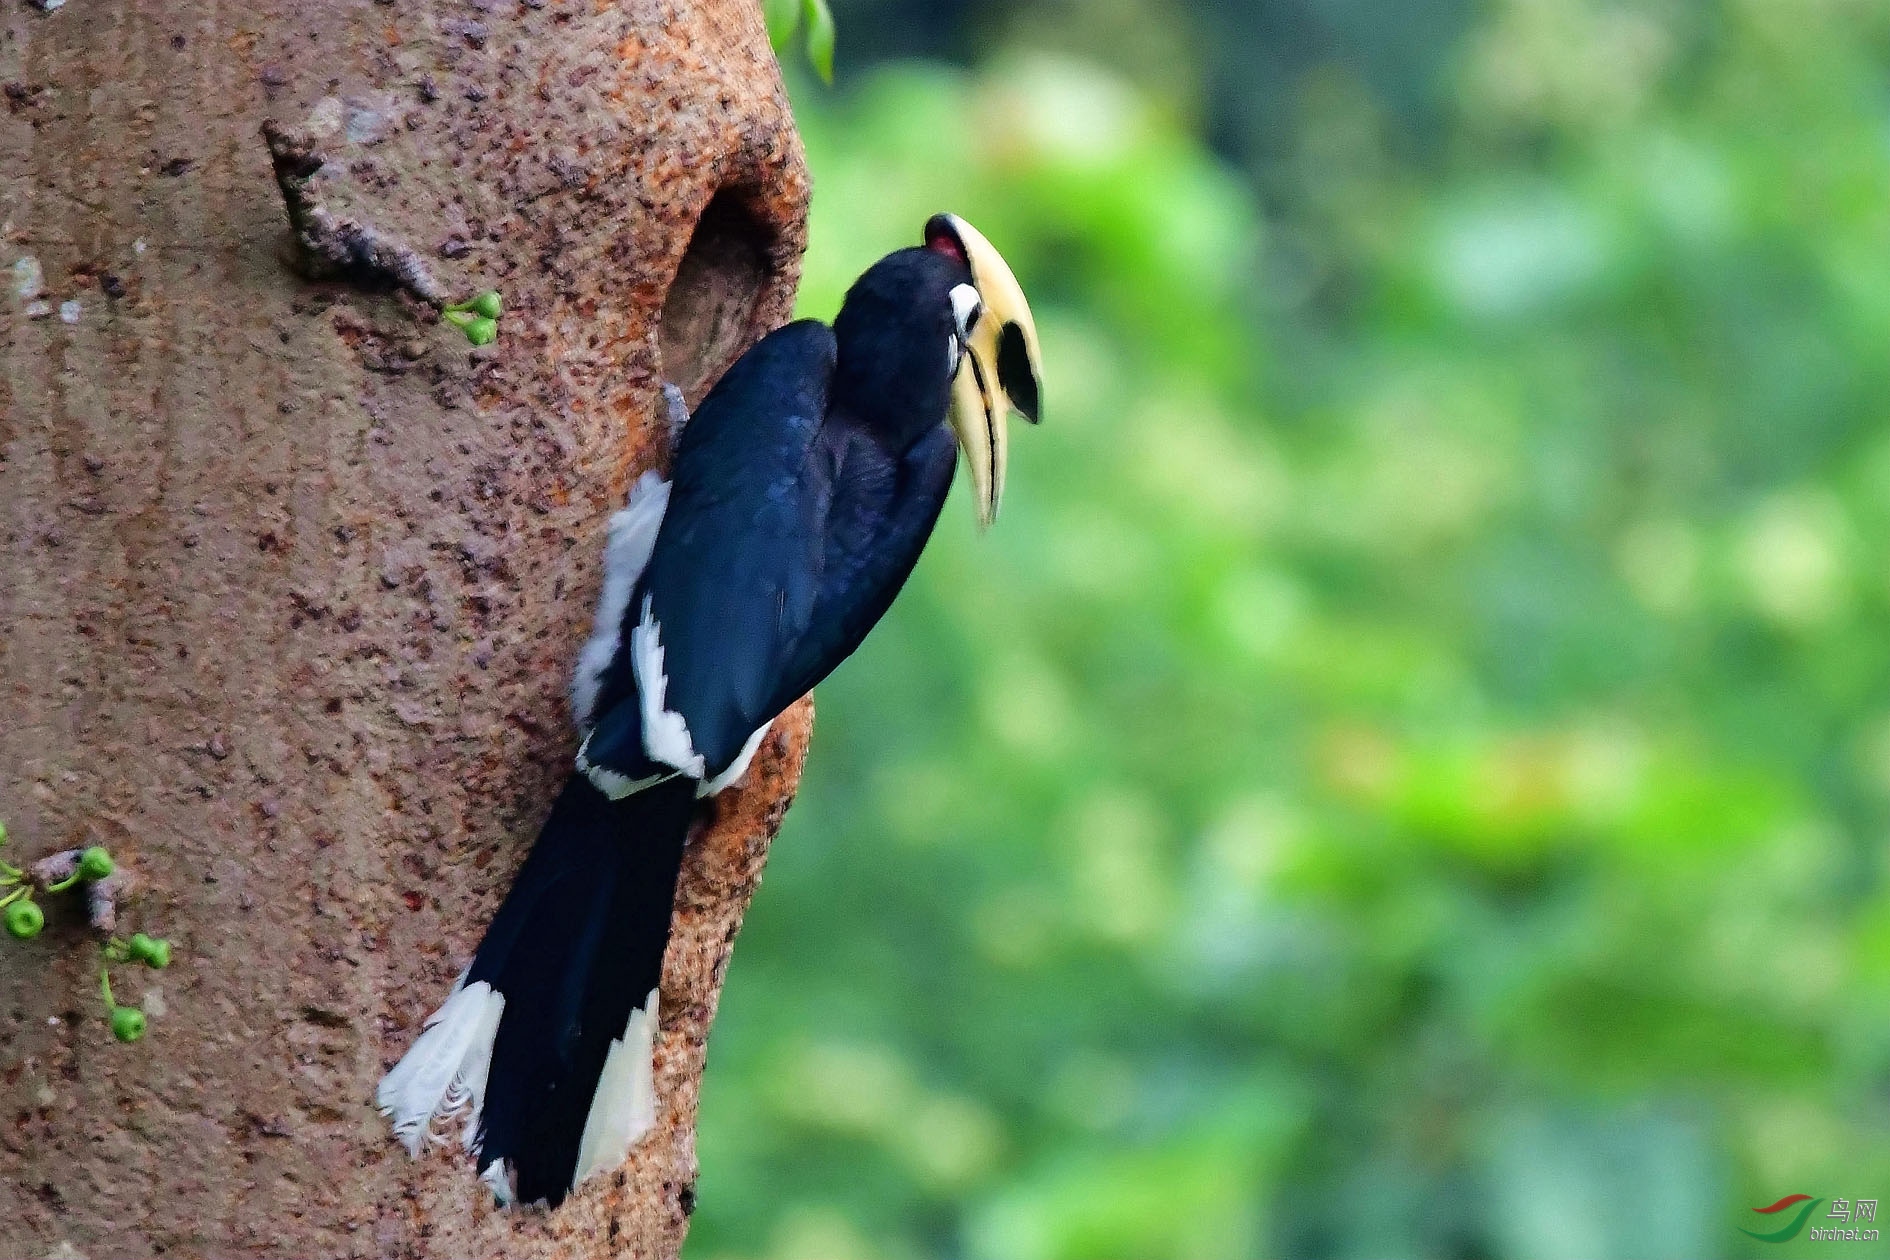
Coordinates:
[895,408]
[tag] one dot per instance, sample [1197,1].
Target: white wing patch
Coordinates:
[614,786]
[445,1072]
[738,767]
[626,555]
[665,732]
[624,1107]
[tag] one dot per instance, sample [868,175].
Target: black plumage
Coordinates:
[574,949]
[804,488]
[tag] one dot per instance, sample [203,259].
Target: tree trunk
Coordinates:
[295,577]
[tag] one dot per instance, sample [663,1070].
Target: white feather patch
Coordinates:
[678,410]
[738,767]
[499,1180]
[624,1107]
[665,732]
[965,306]
[626,555]
[614,786]
[445,1071]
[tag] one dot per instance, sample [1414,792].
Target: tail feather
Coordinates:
[551,1052]
[624,1108]
[446,1070]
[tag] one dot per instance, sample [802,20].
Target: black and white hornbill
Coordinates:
[801,494]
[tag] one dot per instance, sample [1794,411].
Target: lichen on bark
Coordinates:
[294,579]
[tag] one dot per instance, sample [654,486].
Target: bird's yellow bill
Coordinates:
[1000,370]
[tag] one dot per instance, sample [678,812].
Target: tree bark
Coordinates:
[295,578]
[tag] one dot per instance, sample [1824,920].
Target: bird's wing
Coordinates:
[785,539]
[735,568]
[882,513]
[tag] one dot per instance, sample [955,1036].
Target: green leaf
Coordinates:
[820,35]
[782,17]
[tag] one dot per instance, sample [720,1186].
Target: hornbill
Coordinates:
[801,493]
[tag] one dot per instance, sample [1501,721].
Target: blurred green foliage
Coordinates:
[1408,775]
[785,18]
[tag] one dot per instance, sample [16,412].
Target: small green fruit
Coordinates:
[95,864]
[479,329]
[487,304]
[25,919]
[127,1023]
[149,950]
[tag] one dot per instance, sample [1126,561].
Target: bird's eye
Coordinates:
[965,308]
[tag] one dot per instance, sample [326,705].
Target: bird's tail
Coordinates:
[542,1051]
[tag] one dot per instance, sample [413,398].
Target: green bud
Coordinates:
[479,329]
[95,864]
[487,304]
[149,950]
[127,1023]
[25,919]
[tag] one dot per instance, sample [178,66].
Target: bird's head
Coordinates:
[999,367]
[944,328]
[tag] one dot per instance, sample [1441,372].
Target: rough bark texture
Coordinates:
[294,579]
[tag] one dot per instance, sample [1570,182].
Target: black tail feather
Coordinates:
[576,947]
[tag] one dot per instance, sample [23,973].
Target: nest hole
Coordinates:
[709,312]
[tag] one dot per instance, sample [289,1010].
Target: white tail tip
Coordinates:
[445,1072]
[624,1107]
